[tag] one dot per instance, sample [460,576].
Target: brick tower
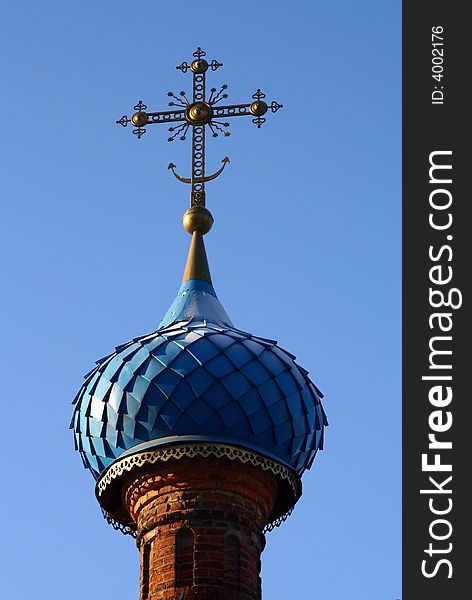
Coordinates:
[198,433]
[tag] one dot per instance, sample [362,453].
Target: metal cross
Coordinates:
[197,114]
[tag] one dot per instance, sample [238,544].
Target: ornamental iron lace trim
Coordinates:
[129,530]
[190,451]
[117,526]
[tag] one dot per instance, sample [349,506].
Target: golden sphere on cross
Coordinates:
[139,119]
[199,113]
[199,66]
[258,108]
[197,218]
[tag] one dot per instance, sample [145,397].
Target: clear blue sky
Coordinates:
[305,249]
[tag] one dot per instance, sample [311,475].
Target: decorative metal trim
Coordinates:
[117,526]
[127,463]
[129,530]
[278,522]
[190,451]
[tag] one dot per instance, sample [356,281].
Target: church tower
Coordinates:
[198,433]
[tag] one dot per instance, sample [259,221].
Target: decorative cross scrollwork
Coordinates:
[197,114]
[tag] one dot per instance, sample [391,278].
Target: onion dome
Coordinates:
[198,378]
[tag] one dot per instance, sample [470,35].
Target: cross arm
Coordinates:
[236,110]
[256,109]
[142,118]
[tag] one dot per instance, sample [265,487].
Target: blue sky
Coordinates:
[305,249]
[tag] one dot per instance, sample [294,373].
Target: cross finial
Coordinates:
[198,113]
[199,53]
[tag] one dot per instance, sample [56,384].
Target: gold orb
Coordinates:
[139,119]
[199,113]
[197,218]
[258,108]
[199,66]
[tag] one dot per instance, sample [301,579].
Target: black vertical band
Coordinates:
[437,337]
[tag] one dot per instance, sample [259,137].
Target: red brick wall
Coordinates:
[200,524]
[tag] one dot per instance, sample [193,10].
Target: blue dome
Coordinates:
[198,378]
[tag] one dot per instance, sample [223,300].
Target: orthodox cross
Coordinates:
[197,114]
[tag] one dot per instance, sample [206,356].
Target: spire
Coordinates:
[197,221]
[196,299]
[197,262]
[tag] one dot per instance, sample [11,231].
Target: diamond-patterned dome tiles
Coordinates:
[199,381]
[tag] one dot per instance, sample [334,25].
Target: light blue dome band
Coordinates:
[196,299]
